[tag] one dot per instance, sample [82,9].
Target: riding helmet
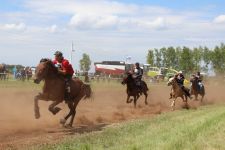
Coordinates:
[58,53]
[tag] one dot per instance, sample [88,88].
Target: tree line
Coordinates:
[188,59]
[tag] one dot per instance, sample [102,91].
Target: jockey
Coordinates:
[66,69]
[137,75]
[180,80]
[199,78]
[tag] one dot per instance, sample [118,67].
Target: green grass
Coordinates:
[19,84]
[187,129]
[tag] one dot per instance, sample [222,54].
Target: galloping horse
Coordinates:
[132,89]
[28,73]
[195,88]
[176,92]
[2,72]
[54,90]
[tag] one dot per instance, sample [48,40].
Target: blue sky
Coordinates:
[106,30]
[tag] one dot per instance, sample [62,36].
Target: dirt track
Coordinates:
[18,126]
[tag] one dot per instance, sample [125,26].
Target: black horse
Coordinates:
[196,89]
[134,90]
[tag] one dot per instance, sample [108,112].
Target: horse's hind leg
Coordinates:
[54,109]
[73,113]
[63,121]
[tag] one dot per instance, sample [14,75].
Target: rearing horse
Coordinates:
[54,90]
[132,89]
[195,88]
[176,92]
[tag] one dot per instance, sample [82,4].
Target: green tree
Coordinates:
[150,57]
[158,58]
[206,57]
[177,60]
[171,57]
[197,57]
[164,57]
[85,63]
[218,59]
[186,60]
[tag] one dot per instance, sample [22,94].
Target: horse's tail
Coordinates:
[87,91]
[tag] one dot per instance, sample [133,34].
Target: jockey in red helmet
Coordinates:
[66,69]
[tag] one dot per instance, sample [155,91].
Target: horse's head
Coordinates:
[193,79]
[43,69]
[124,80]
[171,81]
[128,77]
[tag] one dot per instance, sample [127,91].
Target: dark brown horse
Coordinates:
[196,89]
[54,90]
[132,89]
[2,72]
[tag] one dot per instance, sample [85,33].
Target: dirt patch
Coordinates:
[18,126]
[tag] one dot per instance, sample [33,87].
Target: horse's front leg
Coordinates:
[54,109]
[135,101]
[36,107]
[196,97]
[173,104]
[202,98]
[146,96]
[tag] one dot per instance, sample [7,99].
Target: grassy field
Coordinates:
[203,128]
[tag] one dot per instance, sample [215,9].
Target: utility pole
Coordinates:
[71,53]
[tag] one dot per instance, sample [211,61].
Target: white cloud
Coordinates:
[104,29]
[219,19]
[53,28]
[105,14]
[80,6]
[94,21]
[13,27]
[158,23]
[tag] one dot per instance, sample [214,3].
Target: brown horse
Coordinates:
[195,88]
[54,90]
[176,92]
[132,89]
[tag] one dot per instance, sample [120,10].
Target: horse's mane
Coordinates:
[50,63]
[45,60]
[171,79]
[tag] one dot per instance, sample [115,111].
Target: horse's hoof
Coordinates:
[37,116]
[62,121]
[68,126]
[146,103]
[56,110]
